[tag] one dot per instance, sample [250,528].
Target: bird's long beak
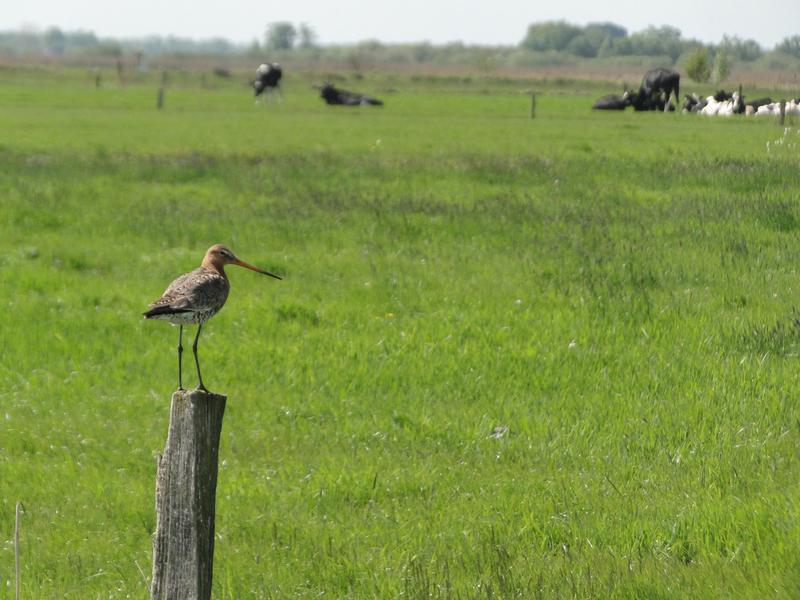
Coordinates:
[241,263]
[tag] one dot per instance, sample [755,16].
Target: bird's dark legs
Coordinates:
[180,352]
[197,361]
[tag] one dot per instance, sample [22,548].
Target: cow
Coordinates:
[658,82]
[722,95]
[268,79]
[758,102]
[694,103]
[732,106]
[642,101]
[333,96]
[613,102]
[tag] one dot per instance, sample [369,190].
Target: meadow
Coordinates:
[510,357]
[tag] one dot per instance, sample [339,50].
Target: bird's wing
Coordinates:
[193,291]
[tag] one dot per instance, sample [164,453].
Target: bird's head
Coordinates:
[219,255]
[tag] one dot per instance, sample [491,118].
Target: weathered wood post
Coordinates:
[186,486]
[533,105]
[17,575]
[782,114]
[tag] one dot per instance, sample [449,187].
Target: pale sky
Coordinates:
[437,21]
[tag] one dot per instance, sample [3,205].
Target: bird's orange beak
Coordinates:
[241,263]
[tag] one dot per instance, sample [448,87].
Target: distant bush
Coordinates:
[722,68]
[697,67]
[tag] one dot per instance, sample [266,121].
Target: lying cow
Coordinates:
[613,102]
[333,96]
[693,103]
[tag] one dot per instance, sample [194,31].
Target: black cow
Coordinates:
[723,96]
[333,96]
[642,101]
[268,79]
[613,102]
[658,82]
[758,102]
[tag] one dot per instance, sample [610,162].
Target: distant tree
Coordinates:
[280,36]
[790,45]
[55,41]
[655,41]
[611,30]
[550,35]
[308,37]
[620,46]
[254,49]
[581,45]
[602,36]
[81,39]
[722,68]
[745,50]
[423,52]
[697,65]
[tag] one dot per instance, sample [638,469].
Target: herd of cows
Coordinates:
[268,83]
[659,85]
[655,93]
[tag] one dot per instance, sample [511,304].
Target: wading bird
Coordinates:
[195,297]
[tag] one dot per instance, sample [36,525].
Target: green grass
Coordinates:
[617,290]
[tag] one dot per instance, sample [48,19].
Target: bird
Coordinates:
[195,297]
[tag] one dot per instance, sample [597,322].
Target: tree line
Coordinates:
[550,42]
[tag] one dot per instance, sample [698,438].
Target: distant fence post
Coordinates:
[186,487]
[160,97]
[782,114]
[533,105]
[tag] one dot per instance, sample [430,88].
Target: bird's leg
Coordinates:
[180,353]
[197,361]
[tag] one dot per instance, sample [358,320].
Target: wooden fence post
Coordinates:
[160,98]
[782,115]
[17,569]
[186,486]
[533,105]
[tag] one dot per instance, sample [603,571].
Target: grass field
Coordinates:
[617,290]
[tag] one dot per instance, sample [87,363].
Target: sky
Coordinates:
[437,21]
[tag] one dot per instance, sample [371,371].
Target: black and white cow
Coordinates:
[333,96]
[267,81]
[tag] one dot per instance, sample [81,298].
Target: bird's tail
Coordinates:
[164,309]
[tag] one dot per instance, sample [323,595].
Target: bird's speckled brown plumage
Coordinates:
[193,298]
